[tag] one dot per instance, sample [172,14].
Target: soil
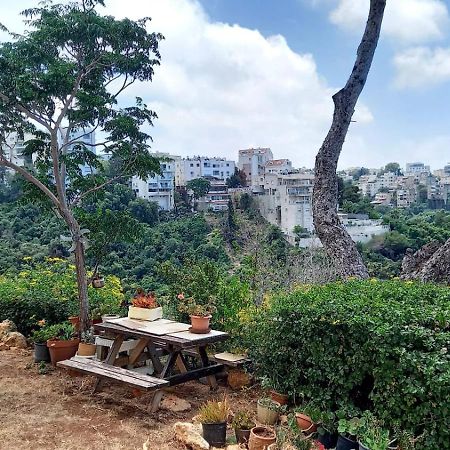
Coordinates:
[56,411]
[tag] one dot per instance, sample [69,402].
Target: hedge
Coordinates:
[49,291]
[379,346]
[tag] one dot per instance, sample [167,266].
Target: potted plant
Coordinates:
[268,411]
[62,345]
[199,312]
[87,345]
[242,424]
[144,306]
[348,430]
[308,416]
[275,390]
[371,434]
[39,338]
[213,417]
[261,438]
[327,430]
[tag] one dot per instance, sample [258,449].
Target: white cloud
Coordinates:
[222,87]
[422,67]
[405,21]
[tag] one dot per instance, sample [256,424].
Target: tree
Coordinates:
[62,77]
[199,187]
[335,239]
[237,180]
[392,167]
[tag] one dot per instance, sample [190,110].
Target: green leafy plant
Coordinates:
[371,432]
[268,403]
[193,307]
[349,427]
[214,411]
[62,331]
[88,336]
[243,420]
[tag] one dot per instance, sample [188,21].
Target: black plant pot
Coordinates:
[329,440]
[41,352]
[344,443]
[242,436]
[215,433]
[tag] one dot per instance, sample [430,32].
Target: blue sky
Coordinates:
[240,73]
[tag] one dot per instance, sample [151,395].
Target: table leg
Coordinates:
[157,396]
[137,351]
[111,357]
[157,366]
[205,363]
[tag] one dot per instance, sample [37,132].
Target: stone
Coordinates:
[15,339]
[190,435]
[175,404]
[6,327]
[3,346]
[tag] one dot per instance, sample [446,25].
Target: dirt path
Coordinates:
[55,411]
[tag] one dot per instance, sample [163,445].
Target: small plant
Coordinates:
[270,404]
[88,336]
[243,421]
[43,334]
[43,368]
[64,331]
[349,427]
[144,300]
[371,433]
[312,411]
[404,439]
[189,306]
[214,411]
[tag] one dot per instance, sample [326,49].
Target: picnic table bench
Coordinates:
[165,343]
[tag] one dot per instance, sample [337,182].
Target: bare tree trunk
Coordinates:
[335,239]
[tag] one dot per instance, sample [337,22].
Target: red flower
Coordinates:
[180,296]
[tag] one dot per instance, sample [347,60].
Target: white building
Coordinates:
[416,168]
[160,188]
[287,201]
[85,138]
[278,166]
[252,162]
[13,150]
[217,197]
[201,166]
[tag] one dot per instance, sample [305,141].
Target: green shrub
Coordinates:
[49,292]
[379,346]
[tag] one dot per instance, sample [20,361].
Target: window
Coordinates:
[192,164]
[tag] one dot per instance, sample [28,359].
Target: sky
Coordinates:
[261,73]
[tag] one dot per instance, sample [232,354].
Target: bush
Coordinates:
[379,346]
[49,291]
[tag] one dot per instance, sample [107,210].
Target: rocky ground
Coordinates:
[42,408]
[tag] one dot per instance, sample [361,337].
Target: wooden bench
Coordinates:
[105,371]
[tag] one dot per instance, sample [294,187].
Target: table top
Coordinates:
[162,331]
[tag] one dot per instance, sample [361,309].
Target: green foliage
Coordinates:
[237,180]
[267,402]
[371,432]
[380,346]
[242,420]
[199,186]
[49,291]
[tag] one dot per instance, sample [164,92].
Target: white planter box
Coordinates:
[144,313]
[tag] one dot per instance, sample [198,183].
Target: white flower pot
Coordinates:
[144,313]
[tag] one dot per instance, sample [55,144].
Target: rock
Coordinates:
[15,339]
[190,435]
[234,447]
[3,346]
[238,379]
[6,327]
[175,404]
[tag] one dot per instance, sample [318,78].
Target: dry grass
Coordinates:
[55,411]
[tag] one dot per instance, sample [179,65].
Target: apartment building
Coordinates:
[13,150]
[217,197]
[416,168]
[160,188]
[406,197]
[187,169]
[252,161]
[278,166]
[287,201]
[83,137]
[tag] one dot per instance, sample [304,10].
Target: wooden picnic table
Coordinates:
[166,343]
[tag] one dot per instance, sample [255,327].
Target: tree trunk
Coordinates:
[335,239]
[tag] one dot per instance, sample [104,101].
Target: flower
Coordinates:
[41,322]
[180,296]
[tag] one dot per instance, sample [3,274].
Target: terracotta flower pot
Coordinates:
[86,349]
[282,399]
[75,321]
[200,323]
[261,438]
[62,350]
[305,423]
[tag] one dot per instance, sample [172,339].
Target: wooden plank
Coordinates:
[124,376]
[206,363]
[195,374]
[119,370]
[158,327]
[162,341]
[230,359]
[134,355]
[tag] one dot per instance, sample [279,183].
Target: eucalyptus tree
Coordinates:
[62,78]
[335,239]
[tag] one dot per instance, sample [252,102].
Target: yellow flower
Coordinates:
[373,280]
[27,258]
